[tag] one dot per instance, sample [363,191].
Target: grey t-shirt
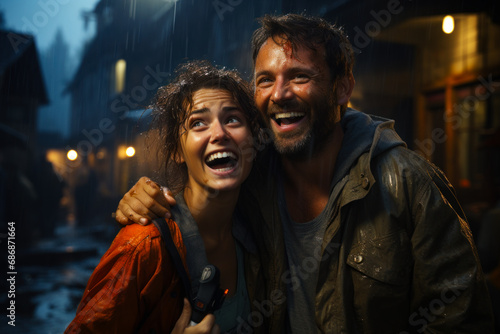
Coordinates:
[303,242]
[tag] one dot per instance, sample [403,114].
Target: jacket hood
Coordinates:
[362,133]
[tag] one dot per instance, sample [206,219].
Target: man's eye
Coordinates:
[264,81]
[301,77]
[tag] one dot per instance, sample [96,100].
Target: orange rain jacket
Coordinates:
[133,289]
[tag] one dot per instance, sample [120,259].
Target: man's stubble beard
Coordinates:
[316,136]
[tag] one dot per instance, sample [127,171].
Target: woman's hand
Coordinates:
[144,202]
[206,326]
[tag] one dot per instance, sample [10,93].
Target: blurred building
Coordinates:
[23,200]
[22,89]
[53,120]
[441,88]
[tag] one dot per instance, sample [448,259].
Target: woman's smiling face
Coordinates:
[217,145]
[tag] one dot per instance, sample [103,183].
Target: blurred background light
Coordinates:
[72,155]
[448,24]
[130,151]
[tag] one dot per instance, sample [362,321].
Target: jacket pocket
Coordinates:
[386,259]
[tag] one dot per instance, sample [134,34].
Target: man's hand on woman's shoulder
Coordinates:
[144,202]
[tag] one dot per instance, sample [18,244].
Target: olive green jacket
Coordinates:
[398,255]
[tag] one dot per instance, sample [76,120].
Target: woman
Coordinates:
[207,124]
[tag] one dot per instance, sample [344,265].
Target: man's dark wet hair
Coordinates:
[311,32]
[173,102]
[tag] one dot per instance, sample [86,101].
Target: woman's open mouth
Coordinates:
[222,161]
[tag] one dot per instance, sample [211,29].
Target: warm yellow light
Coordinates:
[120,70]
[72,155]
[448,24]
[130,152]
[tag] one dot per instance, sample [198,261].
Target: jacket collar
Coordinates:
[365,137]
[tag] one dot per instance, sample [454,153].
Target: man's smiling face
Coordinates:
[294,92]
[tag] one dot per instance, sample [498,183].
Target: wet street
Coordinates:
[51,277]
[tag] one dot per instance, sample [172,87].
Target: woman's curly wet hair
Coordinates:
[172,103]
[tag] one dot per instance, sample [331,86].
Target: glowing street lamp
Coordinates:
[130,152]
[72,155]
[448,24]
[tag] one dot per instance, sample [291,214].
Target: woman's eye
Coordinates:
[195,124]
[236,118]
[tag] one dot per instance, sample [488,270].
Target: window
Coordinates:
[476,124]
[120,71]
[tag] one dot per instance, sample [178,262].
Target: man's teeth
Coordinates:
[289,115]
[220,155]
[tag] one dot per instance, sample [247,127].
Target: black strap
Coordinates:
[162,226]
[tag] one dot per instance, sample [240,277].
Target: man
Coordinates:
[363,235]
